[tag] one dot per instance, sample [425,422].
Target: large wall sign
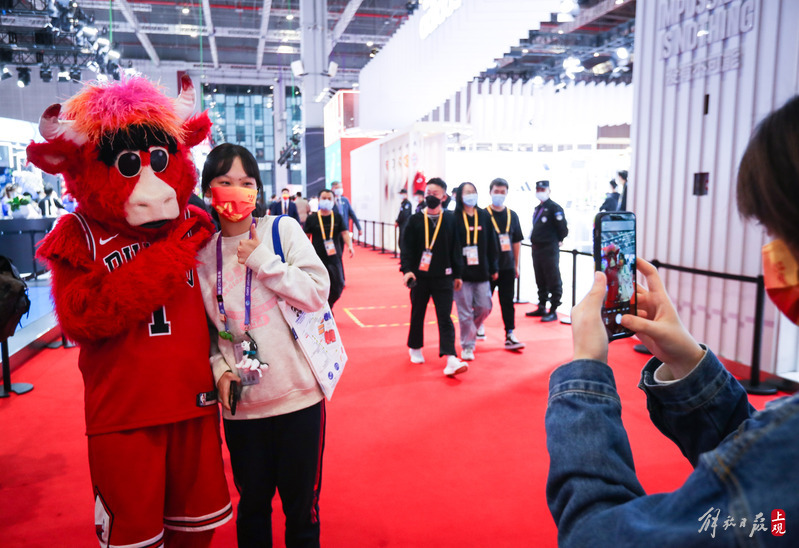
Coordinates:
[690,25]
[435,12]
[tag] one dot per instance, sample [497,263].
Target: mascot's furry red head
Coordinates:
[124,150]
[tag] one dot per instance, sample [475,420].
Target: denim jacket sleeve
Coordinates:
[596,499]
[698,411]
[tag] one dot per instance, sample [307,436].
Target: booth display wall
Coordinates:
[364,178]
[520,113]
[743,68]
[381,168]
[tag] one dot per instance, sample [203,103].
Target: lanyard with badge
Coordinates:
[245,351]
[470,250]
[330,245]
[504,238]
[427,254]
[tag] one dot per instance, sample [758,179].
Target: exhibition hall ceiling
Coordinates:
[230,35]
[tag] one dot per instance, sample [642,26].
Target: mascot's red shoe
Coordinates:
[124,286]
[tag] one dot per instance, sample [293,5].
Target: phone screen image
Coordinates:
[614,252]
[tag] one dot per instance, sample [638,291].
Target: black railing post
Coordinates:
[396,241]
[518,298]
[374,235]
[382,237]
[574,278]
[753,385]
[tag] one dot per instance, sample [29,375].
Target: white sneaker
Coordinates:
[416,355]
[512,343]
[467,354]
[481,333]
[455,366]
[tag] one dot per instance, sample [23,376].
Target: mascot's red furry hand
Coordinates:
[124,151]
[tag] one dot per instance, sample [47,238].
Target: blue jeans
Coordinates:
[743,462]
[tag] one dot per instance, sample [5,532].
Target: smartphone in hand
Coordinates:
[614,255]
[234,396]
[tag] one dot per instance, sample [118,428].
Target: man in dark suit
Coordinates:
[285,206]
[344,208]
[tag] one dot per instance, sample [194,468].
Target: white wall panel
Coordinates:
[673,138]
[413,74]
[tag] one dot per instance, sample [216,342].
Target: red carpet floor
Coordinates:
[413,459]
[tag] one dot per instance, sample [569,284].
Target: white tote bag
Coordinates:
[316,333]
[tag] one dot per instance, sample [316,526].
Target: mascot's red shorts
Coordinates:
[153,478]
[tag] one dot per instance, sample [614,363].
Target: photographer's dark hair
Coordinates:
[768,177]
[623,174]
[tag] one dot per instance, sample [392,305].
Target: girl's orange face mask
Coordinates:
[781,278]
[233,203]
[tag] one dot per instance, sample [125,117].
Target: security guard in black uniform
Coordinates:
[404,214]
[549,230]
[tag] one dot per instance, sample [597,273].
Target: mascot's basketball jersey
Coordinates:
[153,373]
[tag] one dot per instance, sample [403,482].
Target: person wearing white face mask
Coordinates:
[506,225]
[549,230]
[325,227]
[474,235]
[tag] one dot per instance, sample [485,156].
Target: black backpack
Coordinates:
[14,301]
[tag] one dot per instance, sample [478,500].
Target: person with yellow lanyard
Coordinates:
[508,229]
[324,227]
[480,253]
[431,261]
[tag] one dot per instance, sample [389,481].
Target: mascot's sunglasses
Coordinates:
[129,163]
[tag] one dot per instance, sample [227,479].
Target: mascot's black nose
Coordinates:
[155,224]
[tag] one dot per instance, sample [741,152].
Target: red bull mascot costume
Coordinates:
[125,288]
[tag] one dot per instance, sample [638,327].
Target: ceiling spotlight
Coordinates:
[63,74]
[622,53]
[525,51]
[114,54]
[369,44]
[373,52]
[23,76]
[290,17]
[75,73]
[572,64]
[567,6]
[185,10]
[538,80]
[6,73]
[46,74]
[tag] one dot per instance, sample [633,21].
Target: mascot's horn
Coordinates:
[52,128]
[184,104]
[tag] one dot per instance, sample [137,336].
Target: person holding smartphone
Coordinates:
[741,457]
[276,437]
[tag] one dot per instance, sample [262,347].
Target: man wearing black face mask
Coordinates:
[432,262]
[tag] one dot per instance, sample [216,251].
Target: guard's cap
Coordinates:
[541,184]
[403,191]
